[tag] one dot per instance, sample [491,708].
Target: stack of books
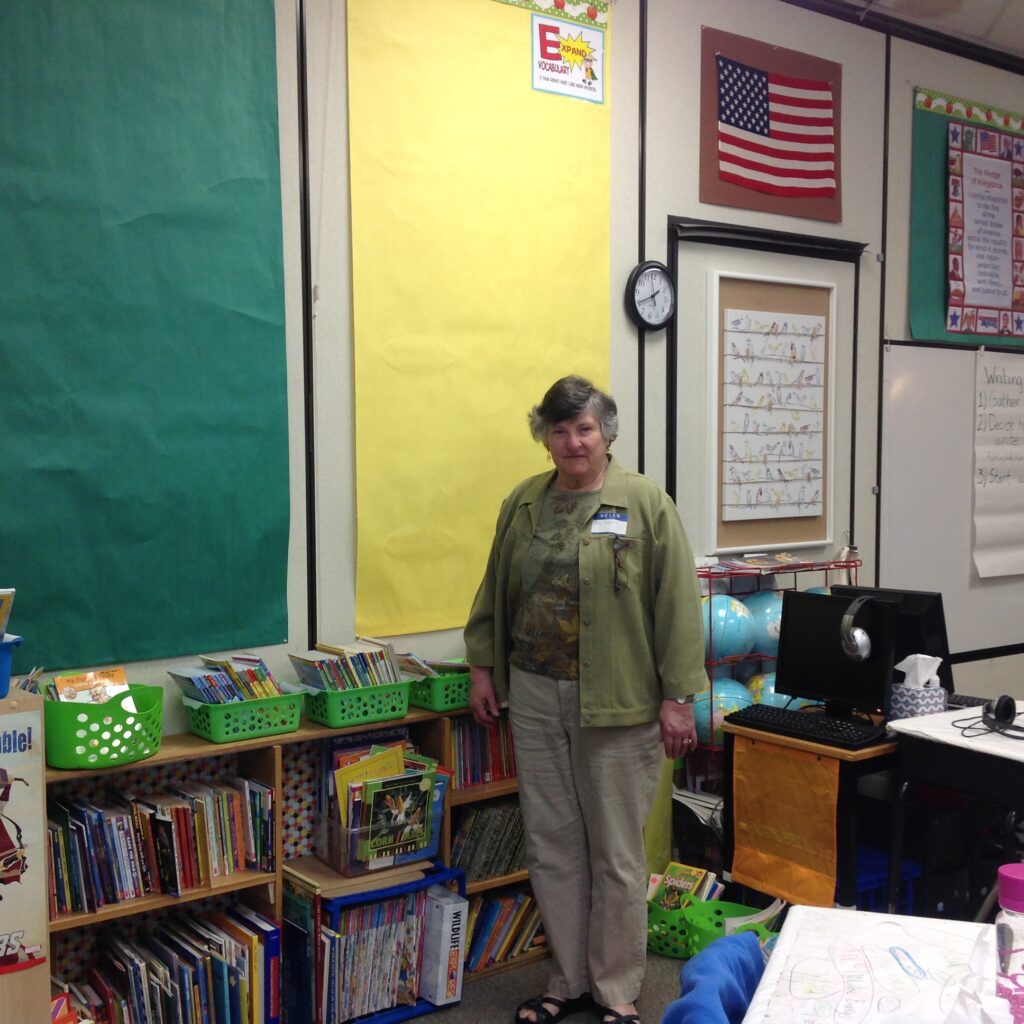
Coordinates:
[481,755]
[122,847]
[500,928]
[488,840]
[227,680]
[682,884]
[221,965]
[363,662]
[386,807]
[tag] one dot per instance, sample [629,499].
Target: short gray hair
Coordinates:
[571,397]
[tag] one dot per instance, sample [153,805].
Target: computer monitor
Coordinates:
[812,664]
[920,624]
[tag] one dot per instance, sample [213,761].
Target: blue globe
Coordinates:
[728,627]
[711,706]
[717,672]
[766,608]
[819,590]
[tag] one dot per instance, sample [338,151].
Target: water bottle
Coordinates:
[1010,939]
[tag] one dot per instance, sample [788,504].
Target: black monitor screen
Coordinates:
[812,663]
[920,624]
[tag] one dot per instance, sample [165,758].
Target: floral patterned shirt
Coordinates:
[546,628]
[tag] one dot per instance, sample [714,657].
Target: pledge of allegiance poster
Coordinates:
[985,258]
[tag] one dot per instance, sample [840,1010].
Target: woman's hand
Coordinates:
[678,728]
[482,701]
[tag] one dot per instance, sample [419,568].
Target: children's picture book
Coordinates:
[6,600]
[387,763]
[395,814]
[680,884]
[96,687]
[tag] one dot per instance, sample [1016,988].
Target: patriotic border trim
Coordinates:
[571,10]
[936,102]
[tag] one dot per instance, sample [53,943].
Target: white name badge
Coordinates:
[609,522]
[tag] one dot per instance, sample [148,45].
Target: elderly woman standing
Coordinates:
[588,622]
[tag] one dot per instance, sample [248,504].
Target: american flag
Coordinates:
[775,133]
[988,142]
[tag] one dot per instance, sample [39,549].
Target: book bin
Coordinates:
[441,693]
[126,728]
[685,932]
[244,719]
[339,708]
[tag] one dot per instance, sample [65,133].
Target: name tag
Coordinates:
[609,522]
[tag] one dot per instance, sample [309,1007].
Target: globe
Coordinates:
[766,608]
[762,689]
[711,706]
[819,590]
[728,627]
[722,672]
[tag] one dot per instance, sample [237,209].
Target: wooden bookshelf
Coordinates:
[260,757]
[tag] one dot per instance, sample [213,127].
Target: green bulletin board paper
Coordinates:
[143,407]
[928,236]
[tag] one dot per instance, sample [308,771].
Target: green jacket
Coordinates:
[638,644]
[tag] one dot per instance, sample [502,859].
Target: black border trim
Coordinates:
[986,653]
[641,353]
[307,324]
[912,33]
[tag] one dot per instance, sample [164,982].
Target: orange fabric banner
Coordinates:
[784,821]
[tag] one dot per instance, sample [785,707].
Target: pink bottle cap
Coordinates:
[1011,887]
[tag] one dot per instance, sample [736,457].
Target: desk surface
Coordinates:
[823,749]
[963,728]
[832,965]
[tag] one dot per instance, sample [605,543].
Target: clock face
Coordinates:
[652,296]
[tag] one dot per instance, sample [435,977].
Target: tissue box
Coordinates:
[910,701]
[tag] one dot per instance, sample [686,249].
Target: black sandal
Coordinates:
[609,1016]
[563,1008]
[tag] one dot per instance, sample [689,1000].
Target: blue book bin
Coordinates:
[7,645]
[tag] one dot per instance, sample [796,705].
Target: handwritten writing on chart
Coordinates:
[999,464]
[835,966]
[773,415]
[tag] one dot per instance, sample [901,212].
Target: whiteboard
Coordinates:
[926,530]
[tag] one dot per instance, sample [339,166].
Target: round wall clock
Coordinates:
[650,295]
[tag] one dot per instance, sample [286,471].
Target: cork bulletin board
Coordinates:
[772,412]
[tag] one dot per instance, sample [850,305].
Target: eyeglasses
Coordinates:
[619,549]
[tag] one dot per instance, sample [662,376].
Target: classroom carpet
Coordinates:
[493,999]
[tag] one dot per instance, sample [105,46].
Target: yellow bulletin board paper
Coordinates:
[480,212]
[784,819]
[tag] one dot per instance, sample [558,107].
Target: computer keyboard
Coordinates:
[966,700]
[817,727]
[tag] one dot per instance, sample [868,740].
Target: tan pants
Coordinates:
[585,795]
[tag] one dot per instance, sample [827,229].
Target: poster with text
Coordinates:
[999,464]
[568,58]
[23,856]
[985,231]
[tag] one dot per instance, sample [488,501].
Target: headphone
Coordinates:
[856,642]
[998,716]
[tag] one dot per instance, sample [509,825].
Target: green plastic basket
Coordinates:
[338,708]
[684,933]
[441,693]
[125,729]
[243,719]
